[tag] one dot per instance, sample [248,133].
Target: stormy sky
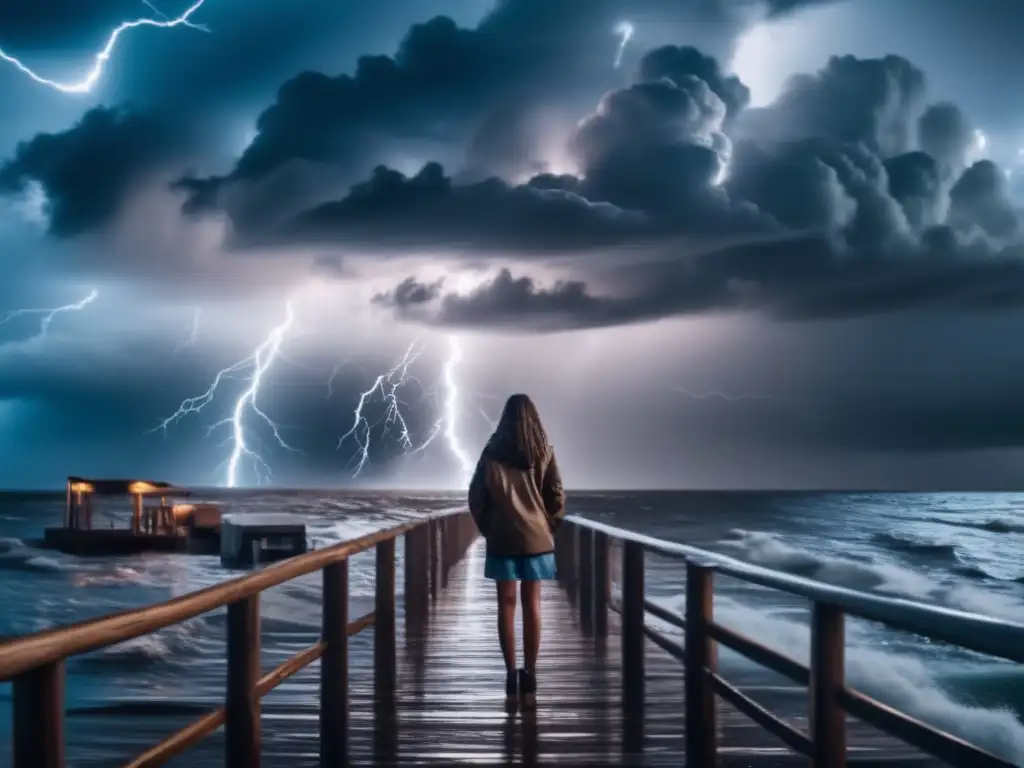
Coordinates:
[759,244]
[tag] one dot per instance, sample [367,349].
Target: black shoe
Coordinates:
[512,690]
[527,689]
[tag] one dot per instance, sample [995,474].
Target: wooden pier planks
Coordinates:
[447,706]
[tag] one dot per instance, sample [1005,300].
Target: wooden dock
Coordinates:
[427,685]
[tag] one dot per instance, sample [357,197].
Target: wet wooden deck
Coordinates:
[447,706]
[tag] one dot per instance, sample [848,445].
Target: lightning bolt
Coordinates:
[452,407]
[258,363]
[85,85]
[387,385]
[624,30]
[48,315]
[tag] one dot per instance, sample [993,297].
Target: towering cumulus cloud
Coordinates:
[850,192]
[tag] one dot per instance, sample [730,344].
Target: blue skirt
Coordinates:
[524,568]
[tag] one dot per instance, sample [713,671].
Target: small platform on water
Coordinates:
[109,542]
[163,527]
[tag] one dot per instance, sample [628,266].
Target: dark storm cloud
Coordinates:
[835,156]
[876,102]
[681,63]
[981,198]
[833,162]
[836,167]
[808,278]
[87,170]
[654,145]
[916,182]
[443,85]
[947,135]
[822,184]
[649,158]
[507,302]
[428,210]
[445,82]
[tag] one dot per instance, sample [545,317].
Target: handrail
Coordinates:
[583,549]
[990,636]
[36,662]
[28,652]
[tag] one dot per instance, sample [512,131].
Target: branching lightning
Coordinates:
[393,423]
[624,30]
[452,406]
[387,385]
[85,85]
[49,314]
[257,364]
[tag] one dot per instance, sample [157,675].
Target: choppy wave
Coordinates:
[878,576]
[177,643]
[934,553]
[994,525]
[15,555]
[932,549]
[897,679]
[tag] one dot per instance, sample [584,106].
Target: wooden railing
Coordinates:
[583,553]
[36,663]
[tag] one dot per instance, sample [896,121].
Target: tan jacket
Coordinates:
[517,506]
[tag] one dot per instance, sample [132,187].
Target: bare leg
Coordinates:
[530,592]
[507,622]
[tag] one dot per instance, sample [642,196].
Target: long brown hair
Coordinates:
[520,430]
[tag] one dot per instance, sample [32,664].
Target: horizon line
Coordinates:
[409,490]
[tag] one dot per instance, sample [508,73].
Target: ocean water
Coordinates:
[964,551]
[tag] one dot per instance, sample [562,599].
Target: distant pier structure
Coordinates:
[166,526]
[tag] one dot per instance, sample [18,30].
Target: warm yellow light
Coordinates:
[140,486]
[182,510]
[81,487]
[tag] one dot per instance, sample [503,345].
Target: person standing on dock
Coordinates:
[517,500]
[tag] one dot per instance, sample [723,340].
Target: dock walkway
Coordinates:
[428,684]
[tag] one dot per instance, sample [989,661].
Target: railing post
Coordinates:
[632,626]
[417,586]
[469,532]
[242,722]
[442,556]
[602,584]
[384,661]
[446,547]
[585,542]
[384,609]
[828,719]
[700,657]
[39,717]
[435,559]
[334,667]
[571,534]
